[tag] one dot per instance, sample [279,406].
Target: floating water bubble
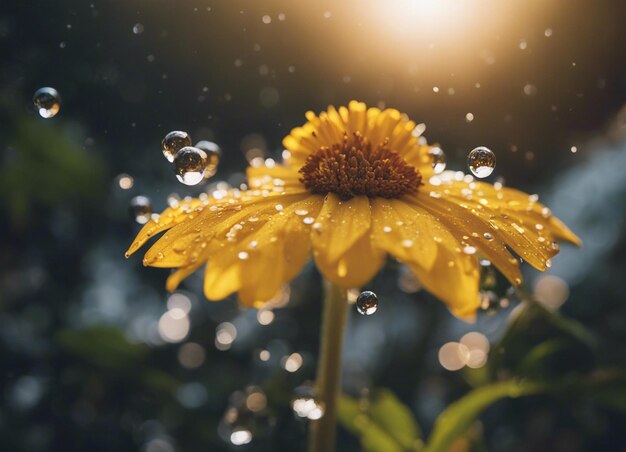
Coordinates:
[141,209]
[481,162]
[367,303]
[190,165]
[173,142]
[47,102]
[305,403]
[438,159]
[214,153]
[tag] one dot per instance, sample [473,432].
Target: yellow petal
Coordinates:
[355,267]
[339,225]
[473,231]
[404,231]
[265,177]
[454,278]
[261,263]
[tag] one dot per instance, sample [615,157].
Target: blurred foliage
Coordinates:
[43,166]
[541,353]
[381,422]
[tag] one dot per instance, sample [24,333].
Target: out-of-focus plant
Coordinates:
[542,353]
[42,166]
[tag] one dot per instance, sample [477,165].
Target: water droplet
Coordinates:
[469,117]
[141,209]
[488,236]
[481,162]
[173,142]
[305,403]
[214,153]
[243,255]
[190,165]
[367,303]
[47,102]
[469,250]
[438,159]
[308,220]
[138,29]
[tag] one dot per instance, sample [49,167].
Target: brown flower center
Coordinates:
[353,167]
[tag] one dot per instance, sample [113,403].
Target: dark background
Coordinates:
[80,367]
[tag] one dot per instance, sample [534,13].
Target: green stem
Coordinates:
[322,432]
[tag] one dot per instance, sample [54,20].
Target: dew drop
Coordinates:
[488,236]
[47,102]
[481,162]
[367,303]
[190,165]
[243,255]
[308,220]
[173,142]
[141,209]
[214,153]
[469,250]
[438,159]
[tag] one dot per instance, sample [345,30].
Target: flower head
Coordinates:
[357,185]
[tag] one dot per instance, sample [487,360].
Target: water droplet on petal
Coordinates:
[469,250]
[141,209]
[173,142]
[481,162]
[47,102]
[488,236]
[190,164]
[243,255]
[367,303]
[438,159]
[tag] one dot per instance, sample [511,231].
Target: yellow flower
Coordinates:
[357,185]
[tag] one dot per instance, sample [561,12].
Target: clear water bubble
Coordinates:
[190,165]
[438,159]
[305,403]
[141,209]
[47,102]
[214,153]
[173,142]
[481,162]
[367,303]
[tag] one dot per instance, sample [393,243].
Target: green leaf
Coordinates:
[384,424]
[102,346]
[457,418]
[539,343]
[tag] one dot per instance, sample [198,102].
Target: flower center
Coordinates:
[353,167]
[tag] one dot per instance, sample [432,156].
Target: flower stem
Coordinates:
[322,432]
